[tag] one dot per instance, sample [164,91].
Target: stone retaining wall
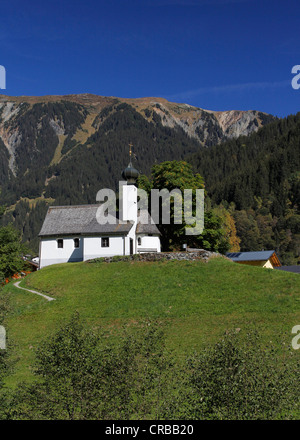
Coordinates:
[199,254]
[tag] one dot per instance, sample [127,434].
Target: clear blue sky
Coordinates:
[217,54]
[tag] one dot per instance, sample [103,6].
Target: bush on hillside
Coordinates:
[240,379]
[95,375]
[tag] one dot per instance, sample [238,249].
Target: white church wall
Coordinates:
[148,243]
[93,248]
[50,253]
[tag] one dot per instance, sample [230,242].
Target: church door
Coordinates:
[131,246]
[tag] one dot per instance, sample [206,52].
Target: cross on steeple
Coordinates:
[130,150]
[130,153]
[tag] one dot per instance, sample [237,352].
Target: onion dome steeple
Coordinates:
[130,173]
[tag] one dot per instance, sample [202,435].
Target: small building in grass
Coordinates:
[267,259]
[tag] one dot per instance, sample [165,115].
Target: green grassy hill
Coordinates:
[199,301]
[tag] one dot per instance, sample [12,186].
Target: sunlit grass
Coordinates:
[199,301]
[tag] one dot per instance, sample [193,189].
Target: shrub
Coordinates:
[96,375]
[87,375]
[239,378]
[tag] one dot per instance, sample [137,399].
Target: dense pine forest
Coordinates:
[258,179]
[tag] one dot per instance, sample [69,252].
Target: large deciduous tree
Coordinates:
[173,175]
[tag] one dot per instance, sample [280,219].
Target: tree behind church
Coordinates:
[172,175]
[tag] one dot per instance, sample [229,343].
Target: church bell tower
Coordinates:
[128,193]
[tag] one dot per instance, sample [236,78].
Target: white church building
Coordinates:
[75,233]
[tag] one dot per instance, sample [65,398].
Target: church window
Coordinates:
[139,241]
[60,243]
[76,242]
[105,242]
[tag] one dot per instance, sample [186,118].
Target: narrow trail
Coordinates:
[48,298]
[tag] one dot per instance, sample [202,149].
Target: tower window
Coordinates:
[105,242]
[60,243]
[76,242]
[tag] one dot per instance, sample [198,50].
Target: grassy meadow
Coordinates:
[198,301]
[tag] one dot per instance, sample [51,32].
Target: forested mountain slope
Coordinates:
[258,177]
[64,149]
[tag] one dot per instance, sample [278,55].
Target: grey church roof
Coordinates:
[82,219]
[145,225]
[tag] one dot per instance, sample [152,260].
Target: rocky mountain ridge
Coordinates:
[205,126]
